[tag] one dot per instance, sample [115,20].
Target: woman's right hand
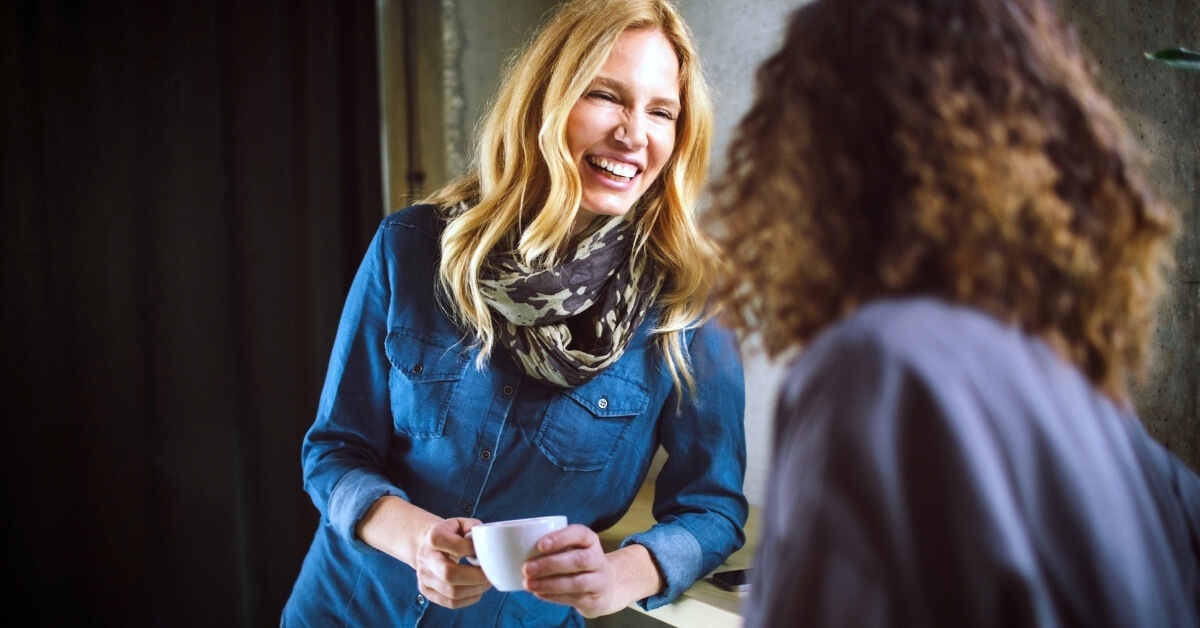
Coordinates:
[430,545]
[440,577]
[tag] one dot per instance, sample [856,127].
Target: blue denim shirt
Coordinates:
[405,412]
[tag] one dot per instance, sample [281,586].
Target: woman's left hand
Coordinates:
[575,571]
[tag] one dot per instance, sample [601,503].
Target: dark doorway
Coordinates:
[187,190]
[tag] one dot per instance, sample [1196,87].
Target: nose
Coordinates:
[631,132]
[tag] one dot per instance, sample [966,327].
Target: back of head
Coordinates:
[955,148]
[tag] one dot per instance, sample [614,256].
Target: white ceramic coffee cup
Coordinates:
[502,547]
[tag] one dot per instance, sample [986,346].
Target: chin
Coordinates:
[606,209]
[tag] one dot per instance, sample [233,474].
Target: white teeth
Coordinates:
[620,170]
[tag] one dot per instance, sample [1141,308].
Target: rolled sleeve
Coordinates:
[679,558]
[344,451]
[351,499]
[698,503]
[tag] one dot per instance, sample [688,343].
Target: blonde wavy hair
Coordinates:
[523,192]
[950,148]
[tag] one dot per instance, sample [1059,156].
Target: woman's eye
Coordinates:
[603,96]
[663,113]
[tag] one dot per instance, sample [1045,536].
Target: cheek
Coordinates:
[574,145]
[586,126]
[663,148]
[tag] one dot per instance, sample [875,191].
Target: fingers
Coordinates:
[439,576]
[565,562]
[449,537]
[588,592]
[574,572]
[581,583]
[451,585]
[572,536]
[573,549]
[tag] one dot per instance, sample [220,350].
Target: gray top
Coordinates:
[935,467]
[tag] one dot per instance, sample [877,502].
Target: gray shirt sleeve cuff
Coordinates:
[350,500]
[678,556]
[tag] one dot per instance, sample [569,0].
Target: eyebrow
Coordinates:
[658,101]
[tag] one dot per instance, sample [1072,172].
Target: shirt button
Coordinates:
[603,403]
[467,507]
[418,368]
[508,391]
[485,454]
[420,599]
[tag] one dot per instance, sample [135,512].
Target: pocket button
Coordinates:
[603,403]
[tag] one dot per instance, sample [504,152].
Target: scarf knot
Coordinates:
[601,291]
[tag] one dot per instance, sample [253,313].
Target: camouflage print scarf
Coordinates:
[565,325]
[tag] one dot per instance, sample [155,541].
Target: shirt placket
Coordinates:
[504,384]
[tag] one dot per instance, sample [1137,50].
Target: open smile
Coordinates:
[616,171]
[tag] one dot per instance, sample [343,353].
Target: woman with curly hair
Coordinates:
[931,202]
[522,343]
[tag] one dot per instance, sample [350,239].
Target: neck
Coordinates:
[583,218]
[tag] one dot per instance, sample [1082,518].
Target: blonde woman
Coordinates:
[523,343]
[932,201]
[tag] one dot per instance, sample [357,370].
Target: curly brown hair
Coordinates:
[955,148]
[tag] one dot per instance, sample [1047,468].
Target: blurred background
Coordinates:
[188,188]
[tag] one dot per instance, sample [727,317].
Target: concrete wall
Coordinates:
[734,36]
[419,66]
[1161,104]
[1162,107]
[487,34]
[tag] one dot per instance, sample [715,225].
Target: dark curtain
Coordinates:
[188,188]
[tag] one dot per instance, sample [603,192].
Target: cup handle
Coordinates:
[471,560]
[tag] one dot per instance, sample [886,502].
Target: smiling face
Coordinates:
[622,130]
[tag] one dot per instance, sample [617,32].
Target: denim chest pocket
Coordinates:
[584,425]
[425,371]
